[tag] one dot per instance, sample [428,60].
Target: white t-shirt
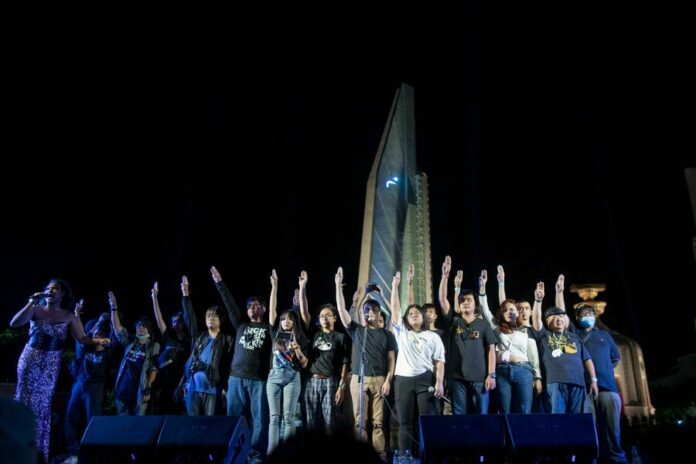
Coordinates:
[418,351]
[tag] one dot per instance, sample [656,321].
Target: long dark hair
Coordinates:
[505,327]
[296,327]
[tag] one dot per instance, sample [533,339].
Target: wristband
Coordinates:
[114,308]
[456,289]
[482,294]
[593,379]
[146,391]
[538,301]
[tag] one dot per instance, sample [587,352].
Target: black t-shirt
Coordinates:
[470,344]
[252,351]
[329,352]
[569,364]
[127,388]
[174,351]
[92,366]
[378,344]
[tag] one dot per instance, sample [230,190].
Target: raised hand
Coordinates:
[184,286]
[458,279]
[396,280]
[483,278]
[356,297]
[560,283]
[302,281]
[217,278]
[539,292]
[501,274]
[339,277]
[112,300]
[446,266]
[274,278]
[410,274]
[155,290]
[78,307]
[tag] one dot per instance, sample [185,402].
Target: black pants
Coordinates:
[413,399]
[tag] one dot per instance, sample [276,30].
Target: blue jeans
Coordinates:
[247,397]
[87,397]
[469,397]
[286,382]
[566,398]
[514,384]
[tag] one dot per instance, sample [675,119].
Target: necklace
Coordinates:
[557,352]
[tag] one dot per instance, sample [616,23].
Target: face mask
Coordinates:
[587,322]
[142,337]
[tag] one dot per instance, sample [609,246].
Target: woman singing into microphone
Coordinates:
[39,364]
[420,364]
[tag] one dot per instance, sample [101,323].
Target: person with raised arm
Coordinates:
[206,367]
[420,366]
[565,359]
[374,352]
[517,357]
[523,307]
[175,350]
[472,360]
[251,364]
[606,404]
[288,359]
[138,369]
[38,366]
[329,364]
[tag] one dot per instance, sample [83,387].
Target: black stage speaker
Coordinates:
[118,439]
[473,438]
[204,439]
[560,437]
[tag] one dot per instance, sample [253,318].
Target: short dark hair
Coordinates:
[404,318]
[145,322]
[584,307]
[258,299]
[217,310]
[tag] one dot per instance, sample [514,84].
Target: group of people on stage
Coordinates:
[284,369]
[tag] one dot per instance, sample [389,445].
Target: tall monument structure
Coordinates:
[396,225]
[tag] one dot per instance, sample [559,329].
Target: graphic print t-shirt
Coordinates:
[252,351]
[127,389]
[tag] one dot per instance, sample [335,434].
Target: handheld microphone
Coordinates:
[40,295]
[431,389]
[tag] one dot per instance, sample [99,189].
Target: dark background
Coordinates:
[145,142]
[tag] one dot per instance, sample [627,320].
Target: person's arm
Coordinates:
[442,291]
[355,304]
[439,379]
[161,324]
[396,325]
[304,305]
[560,285]
[25,314]
[613,351]
[386,386]
[340,300]
[483,300]
[190,318]
[233,310]
[273,299]
[501,285]
[490,379]
[342,384]
[150,377]
[295,347]
[409,280]
[458,279]
[119,330]
[539,293]
[594,390]
[533,356]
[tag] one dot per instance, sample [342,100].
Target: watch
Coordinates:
[491,375]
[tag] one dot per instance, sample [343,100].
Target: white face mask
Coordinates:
[587,322]
[142,337]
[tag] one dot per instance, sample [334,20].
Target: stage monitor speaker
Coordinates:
[204,439]
[563,437]
[466,438]
[118,439]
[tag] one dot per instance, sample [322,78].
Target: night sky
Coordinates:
[143,143]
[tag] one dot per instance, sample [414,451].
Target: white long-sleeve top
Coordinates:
[518,343]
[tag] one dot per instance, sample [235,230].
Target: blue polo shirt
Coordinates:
[605,355]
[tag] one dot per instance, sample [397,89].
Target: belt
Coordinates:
[322,376]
